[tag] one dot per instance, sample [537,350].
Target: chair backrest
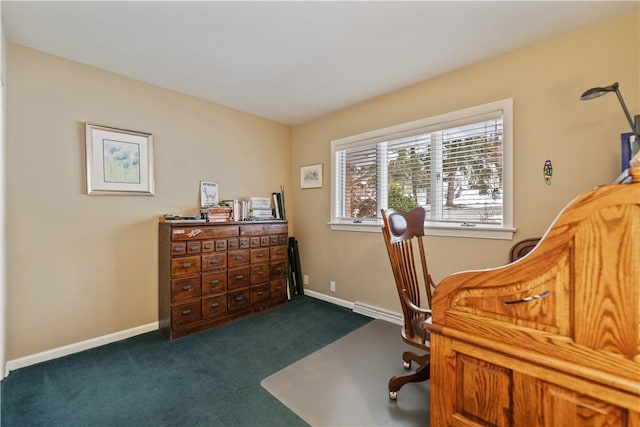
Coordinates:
[403,234]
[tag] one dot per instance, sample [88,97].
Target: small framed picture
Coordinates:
[311,176]
[118,161]
[208,194]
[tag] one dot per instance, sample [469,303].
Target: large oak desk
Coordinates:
[552,339]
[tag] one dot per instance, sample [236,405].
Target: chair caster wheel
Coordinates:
[393,395]
[407,365]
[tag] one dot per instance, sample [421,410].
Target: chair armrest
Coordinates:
[413,307]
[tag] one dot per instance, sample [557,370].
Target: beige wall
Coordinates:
[81,266]
[545,82]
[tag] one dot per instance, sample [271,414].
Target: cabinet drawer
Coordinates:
[278,289]
[237,258]
[185,266]
[179,248]
[255,242]
[238,300]
[245,242]
[214,283]
[185,289]
[273,240]
[238,278]
[220,231]
[208,246]
[185,313]
[214,261]
[187,233]
[278,253]
[233,244]
[283,239]
[214,306]
[259,229]
[193,247]
[221,245]
[264,240]
[259,273]
[259,255]
[278,270]
[259,293]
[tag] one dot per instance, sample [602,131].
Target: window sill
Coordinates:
[476,232]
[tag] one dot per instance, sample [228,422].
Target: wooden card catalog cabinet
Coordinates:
[212,273]
[552,339]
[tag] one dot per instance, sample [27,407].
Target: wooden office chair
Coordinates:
[403,233]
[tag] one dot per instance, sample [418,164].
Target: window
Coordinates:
[457,165]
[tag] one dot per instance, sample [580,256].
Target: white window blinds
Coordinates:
[454,168]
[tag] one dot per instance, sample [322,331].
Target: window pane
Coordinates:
[359,175]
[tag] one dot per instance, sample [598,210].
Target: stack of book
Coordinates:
[260,208]
[217,213]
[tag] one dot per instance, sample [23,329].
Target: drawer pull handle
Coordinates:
[260,273]
[194,247]
[213,261]
[215,281]
[208,246]
[239,257]
[278,269]
[260,255]
[239,277]
[279,252]
[238,298]
[186,312]
[186,264]
[215,305]
[179,249]
[186,287]
[278,288]
[529,299]
[260,293]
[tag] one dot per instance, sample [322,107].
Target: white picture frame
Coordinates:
[209,195]
[119,161]
[311,176]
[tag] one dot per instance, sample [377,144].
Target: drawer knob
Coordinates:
[186,264]
[186,312]
[186,287]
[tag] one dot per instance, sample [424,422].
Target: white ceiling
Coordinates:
[291,61]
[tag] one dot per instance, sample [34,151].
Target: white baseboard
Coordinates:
[79,346]
[359,307]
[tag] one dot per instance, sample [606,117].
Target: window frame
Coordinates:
[504,231]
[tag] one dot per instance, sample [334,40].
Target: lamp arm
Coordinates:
[635,130]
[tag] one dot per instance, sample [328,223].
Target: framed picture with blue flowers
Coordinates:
[119,161]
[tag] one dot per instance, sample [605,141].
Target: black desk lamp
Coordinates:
[597,92]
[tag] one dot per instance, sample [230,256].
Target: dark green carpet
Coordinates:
[208,379]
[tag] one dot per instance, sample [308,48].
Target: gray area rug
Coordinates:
[345,383]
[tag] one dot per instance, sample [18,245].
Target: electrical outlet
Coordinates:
[332,286]
[305,279]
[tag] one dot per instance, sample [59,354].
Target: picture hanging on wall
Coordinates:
[118,161]
[311,176]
